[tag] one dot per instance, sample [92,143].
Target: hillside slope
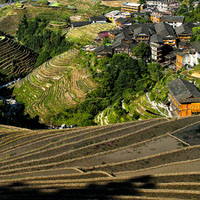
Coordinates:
[136,160]
[15,59]
[56,85]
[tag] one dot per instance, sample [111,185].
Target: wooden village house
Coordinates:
[184,98]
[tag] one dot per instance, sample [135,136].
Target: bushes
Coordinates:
[35,35]
[119,77]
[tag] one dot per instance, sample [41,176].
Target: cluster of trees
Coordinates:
[196,34]
[117,77]
[142,20]
[191,13]
[47,43]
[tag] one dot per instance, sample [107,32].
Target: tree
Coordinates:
[196,33]
[155,71]
[142,50]
[142,1]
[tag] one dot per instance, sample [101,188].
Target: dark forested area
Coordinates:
[35,35]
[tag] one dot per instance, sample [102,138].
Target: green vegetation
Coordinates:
[196,34]
[35,35]
[86,34]
[187,9]
[142,50]
[15,59]
[58,84]
[119,77]
[160,91]
[140,19]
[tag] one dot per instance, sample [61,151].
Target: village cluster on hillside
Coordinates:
[168,35]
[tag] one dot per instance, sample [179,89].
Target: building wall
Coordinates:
[170,42]
[142,38]
[188,59]
[156,17]
[185,110]
[179,62]
[131,9]
[174,24]
[184,37]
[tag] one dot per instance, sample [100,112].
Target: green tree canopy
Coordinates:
[142,50]
[155,71]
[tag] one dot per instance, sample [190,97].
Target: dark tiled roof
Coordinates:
[115,31]
[171,55]
[147,29]
[98,18]
[133,27]
[170,18]
[185,28]
[79,24]
[106,49]
[184,91]
[120,43]
[102,32]
[156,38]
[123,36]
[127,31]
[184,44]
[124,20]
[196,46]
[163,29]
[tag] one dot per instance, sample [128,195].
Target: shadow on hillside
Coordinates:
[14,116]
[92,191]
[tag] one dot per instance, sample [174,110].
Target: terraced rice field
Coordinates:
[136,160]
[58,84]
[15,59]
[87,33]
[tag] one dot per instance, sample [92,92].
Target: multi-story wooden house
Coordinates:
[189,57]
[156,44]
[143,32]
[131,7]
[121,46]
[116,14]
[156,16]
[184,98]
[103,51]
[184,32]
[174,21]
[113,33]
[166,32]
[168,6]
[121,22]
